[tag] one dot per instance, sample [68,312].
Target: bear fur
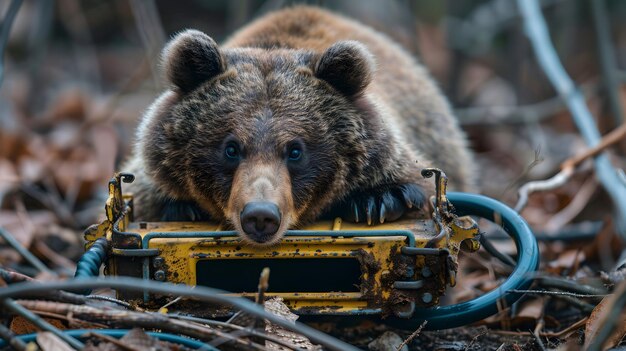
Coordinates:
[310,112]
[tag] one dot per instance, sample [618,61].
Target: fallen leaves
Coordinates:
[599,335]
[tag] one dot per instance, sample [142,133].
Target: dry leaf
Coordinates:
[277,307]
[50,342]
[104,142]
[24,228]
[8,177]
[599,317]
[69,105]
[567,261]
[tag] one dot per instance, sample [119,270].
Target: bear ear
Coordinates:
[346,65]
[190,59]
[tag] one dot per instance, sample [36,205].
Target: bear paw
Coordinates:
[181,211]
[385,203]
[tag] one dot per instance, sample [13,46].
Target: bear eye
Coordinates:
[232,151]
[295,153]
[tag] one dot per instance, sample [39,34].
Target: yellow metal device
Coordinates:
[329,268]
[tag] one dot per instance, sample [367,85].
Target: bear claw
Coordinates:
[383,212]
[176,210]
[383,204]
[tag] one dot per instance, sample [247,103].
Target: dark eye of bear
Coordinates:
[232,151]
[295,153]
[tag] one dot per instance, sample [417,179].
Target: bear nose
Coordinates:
[260,220]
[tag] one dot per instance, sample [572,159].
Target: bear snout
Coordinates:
[260,220]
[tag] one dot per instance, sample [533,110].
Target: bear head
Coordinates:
[264,139]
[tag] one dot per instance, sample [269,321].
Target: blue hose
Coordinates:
[444,317]
[89,264]
[118,333]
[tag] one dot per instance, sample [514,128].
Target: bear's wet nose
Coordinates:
[260,220]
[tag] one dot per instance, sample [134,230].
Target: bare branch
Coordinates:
[537,32]
[7,23]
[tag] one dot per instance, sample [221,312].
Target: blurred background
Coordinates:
[78,74]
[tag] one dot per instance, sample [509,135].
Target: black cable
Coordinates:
[28,256]
[488,246]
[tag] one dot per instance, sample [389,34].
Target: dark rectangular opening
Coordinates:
[286,275]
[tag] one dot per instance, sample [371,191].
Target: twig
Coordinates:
[150,31]
[263,285]
[607,59]
[568,167]
[412,336]
[106,113]
[555,293]
[535,333]
[112,340]
[260,299]
[18,309]
[474,339]
[537,32]
[578,203]
[14,277]
[536,161]
[52,201]
[112,300]
[123,318]
[581,323]
[532,113]
[7,23]
[616,135]
[75,22]
[54,257]
[176,300]
[542,185]
[476,31]
[73,322]
[28,256]
[250,331]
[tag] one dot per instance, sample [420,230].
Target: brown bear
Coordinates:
[301,114]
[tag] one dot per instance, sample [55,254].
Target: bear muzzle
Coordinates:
[260,221]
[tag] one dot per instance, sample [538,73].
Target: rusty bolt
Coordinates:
[159,275]
[158,262]
[427,297]
[409,272]
[426,272]
[404,310]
